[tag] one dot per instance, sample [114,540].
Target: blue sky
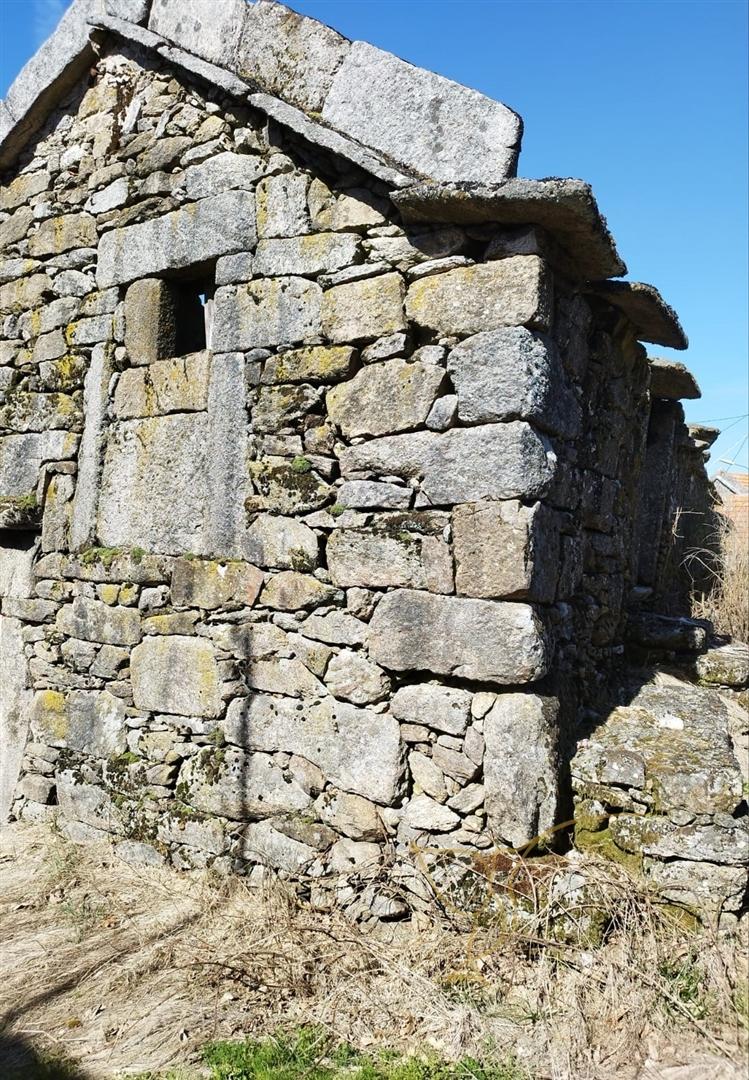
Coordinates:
[645,99]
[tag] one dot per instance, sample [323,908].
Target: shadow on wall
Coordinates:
[19,1060]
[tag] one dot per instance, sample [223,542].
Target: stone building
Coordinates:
[331,461]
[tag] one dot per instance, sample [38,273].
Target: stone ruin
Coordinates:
[334,475]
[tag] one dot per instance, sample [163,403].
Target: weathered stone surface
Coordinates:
[425,813]
[512,373]
[21,457]
[651,317]
[428,778]
[393,552]
[727,665]
[328,139]
[283,676]
[391,396]
[473,299]
[564,208]
[87,803]
[454,763]
[268,312]
[526,540]
[24,294]
[91,722]
[227,455]
[318,363]
[278,406]
[291,591]
[352,857]
[95,403]
[364,309]
[291,55]
[154,489]
[222,172]
[28,411]
[521,766]
[240,786]
[426,123]
[93,620]
[670,741]
[263,844]
[337,628]
[198,232]
[485,640]
[162,154]
[166,386]
[666,632]
[59,234]
[22,188]
[350,676]
[493,461]
[369,495]
[211,584]
[305,255]
[281,543]
[282,205]
[352,815]
[150,326]
[724,842]
[358,751]
[136,853]
[287,487]
[15,227]
[444,708]
[443,413]
[201,27]
[176,675]
[206,835]
[670,379]
[719,888]
[109,198]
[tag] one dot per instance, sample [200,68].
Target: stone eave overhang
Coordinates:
[565,208]
[654,320]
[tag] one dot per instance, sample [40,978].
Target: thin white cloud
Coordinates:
[45,15]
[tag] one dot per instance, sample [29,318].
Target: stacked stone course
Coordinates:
[329,588]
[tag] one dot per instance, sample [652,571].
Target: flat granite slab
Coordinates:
[565,207]
[653,319]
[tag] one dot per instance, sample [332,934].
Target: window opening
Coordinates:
[193,315]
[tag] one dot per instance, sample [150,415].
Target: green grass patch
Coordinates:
[309,1054]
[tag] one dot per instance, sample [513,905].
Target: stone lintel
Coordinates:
[672,380]
[566,208]
[652,318]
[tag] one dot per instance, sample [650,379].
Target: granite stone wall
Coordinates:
[328,521]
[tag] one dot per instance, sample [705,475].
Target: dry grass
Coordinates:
[727,604]
[130,969]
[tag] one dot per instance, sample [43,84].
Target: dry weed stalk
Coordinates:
[216,958]
[727,603]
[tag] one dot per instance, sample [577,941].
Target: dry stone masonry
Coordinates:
[333,474]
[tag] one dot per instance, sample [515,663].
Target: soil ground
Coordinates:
[126,969]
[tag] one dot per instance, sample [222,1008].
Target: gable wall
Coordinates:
[326,582]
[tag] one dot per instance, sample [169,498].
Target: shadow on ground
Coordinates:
[20,1060]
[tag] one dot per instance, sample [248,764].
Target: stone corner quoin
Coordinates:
[317,524]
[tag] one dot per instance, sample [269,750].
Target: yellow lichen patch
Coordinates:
[109,593]
[49,717]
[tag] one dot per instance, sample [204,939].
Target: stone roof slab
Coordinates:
[566,208]
[653,319]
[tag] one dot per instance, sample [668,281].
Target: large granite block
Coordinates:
[430,125]
[198,232]
[485,640]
